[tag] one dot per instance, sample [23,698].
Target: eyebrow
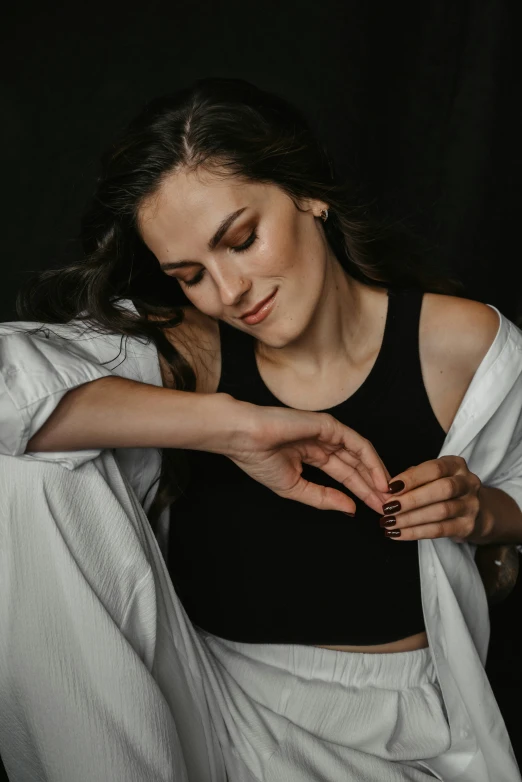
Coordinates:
[213,242]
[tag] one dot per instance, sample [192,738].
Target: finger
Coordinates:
[354,461]
[344,473]
[359,450]
[440,511]
[427,472]
[384,496]
[370,460]
[321,497]
[454,528]
[441,490]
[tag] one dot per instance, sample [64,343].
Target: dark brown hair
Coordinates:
[246,132]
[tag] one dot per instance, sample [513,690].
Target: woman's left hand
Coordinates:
[439,499]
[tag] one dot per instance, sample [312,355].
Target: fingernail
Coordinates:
[392,533]
[391,507]
[348,514]
[388,521]
[395,486]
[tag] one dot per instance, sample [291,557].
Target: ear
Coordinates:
[313,205]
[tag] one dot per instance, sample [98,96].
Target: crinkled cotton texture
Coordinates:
[103,677]
[297,712]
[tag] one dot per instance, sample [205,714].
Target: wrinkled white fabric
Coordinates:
[487,432]
[306,714]
[103,677]
[100,676]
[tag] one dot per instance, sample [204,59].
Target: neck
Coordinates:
[344,327]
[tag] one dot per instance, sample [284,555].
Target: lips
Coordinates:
[257,307]
[260,311]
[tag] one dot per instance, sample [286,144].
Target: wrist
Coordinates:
[499,519]
[485,522]
[223,423]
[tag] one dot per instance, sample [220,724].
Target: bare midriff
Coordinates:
[419,641]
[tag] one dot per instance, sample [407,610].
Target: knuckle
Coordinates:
[439,530]
[450,486]
[328,419]
[330,425]
[468,527]
[465,485]
[460,510]
[446,509]
[322,501]
[413,501]
[441,468]
[441,512]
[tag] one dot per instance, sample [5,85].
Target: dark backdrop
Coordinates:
[419,103]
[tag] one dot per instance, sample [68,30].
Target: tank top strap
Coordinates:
[398,364]
[401,336]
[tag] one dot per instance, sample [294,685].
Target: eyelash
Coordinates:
[241,249]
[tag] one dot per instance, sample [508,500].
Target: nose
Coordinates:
[232,288]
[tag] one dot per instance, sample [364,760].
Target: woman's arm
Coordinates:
[61,396]
[499,518]
[269,444]
[115,412]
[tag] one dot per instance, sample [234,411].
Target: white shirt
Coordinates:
[37,370]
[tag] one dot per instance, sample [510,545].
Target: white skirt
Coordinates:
[104,677]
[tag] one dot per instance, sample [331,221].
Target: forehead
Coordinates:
[201,197]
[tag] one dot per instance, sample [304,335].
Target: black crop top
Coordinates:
[250,566]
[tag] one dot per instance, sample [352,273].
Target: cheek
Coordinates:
[301,260]
[304,248]
[200,298]
[205,303]
[281,256]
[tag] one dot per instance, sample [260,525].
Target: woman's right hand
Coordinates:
[272,443]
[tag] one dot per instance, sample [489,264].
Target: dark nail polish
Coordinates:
[348,514]
[388,521]
[392,533]
[391,507]
[396,486]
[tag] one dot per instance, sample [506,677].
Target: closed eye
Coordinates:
[239,249]
[249,242]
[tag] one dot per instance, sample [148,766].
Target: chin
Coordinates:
[278,338]
[273,342]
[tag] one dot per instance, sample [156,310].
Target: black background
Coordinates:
[419,103]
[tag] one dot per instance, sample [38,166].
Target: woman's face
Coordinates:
[271,253]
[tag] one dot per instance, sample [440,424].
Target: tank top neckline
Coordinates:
[383,370]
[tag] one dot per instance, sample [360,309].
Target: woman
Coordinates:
[296,645]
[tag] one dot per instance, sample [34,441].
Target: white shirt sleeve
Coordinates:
[37,370]
[508,474]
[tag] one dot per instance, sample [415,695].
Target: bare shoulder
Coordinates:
[454,336]
[197,339]
[456,330]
